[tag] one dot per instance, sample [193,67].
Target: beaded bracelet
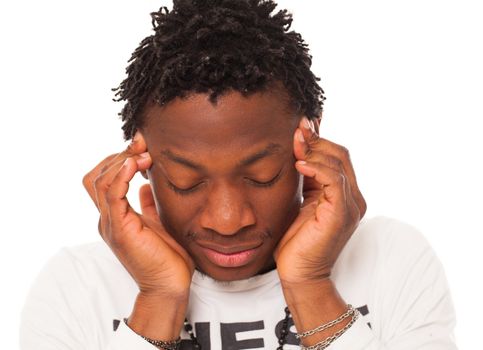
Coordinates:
[161,344]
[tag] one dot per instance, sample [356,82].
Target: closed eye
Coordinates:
[186,191]
[266,183]
[182,190]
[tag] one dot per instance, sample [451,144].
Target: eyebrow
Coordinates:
[271,149]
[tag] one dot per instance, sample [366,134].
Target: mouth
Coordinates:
[230,256]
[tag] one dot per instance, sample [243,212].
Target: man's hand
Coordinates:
[330,213]
[156,262]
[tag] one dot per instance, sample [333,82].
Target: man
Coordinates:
[250,234]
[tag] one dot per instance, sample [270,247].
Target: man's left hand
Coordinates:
[332,209]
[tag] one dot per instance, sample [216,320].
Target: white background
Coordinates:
[404,85]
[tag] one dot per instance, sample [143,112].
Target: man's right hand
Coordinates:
[159,265]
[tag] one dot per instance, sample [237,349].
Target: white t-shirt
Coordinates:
[387,270]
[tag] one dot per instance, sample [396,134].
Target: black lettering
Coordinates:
[229,331]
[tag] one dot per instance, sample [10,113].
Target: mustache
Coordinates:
[242,236]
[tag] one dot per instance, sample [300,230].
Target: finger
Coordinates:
[333,195]
[301,148]
[308,145]
[331,184]
[327,161]
[137,146]
[104,181]
[118,207]
[342,154]
[146,200]
[88,179]
[101,200]
[310,136]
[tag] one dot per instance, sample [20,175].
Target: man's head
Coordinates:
[217,93]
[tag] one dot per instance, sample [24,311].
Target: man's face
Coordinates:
[223,178]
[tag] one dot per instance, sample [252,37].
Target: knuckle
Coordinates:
[110,197]
[103,227]
[338,163]
[105,168]
[109,162]
[314,138]
[354,214]
[334,163]
[87,181]
[100,227]
[344,152]
[362,207]
[100,183]
[340,179]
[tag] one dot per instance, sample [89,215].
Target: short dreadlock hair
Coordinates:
[216,46]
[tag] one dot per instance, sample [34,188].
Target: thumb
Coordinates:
[148,205]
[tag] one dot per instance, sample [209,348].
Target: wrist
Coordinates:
[290,275]
[294,280]
[306,292]
[312,303]
[158,316]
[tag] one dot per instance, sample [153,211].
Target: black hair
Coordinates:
[216,46]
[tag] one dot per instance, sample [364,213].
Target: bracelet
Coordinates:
[323,327]
[326,342]
[161,344]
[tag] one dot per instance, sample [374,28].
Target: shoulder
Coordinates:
[384,243]
[89,255]
[394,255]
[388,234]
[83,267]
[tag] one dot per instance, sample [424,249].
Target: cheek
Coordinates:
[175,212]
[280,206]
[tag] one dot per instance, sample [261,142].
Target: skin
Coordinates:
[226,208]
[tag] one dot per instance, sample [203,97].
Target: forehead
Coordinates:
[233,125]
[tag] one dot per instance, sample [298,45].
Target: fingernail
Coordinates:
[306,123]
[125,162]
[300,135]
[302,162]
[312,125]
[144,155]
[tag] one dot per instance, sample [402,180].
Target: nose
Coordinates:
[227,210]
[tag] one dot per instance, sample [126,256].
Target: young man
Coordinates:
[250,234]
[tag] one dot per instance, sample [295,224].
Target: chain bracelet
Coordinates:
[326,342]
[323,327]
[161,344]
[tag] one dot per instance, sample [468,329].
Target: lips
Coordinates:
[230,256]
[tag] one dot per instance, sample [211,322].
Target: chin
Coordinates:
[227,274]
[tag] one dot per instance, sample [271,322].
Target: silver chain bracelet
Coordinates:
[323,327]
[326,342]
